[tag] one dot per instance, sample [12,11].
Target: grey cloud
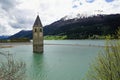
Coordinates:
[75,0]
[8,4]
[109,1]
[14,25]
[90,1]
[14,17]
[2,29]
[74,6]
[22,19]
[43,7]
[21,23]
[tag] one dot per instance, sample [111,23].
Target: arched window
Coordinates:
[36,47]
[35,30]
[40,30]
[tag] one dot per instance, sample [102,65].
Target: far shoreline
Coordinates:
[13,44]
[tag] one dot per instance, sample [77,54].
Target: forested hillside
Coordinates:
[100,25]
[80,28]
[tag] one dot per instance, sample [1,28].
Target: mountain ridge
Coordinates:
[80,28]
[3,37]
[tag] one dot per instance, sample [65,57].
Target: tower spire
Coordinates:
[37,22]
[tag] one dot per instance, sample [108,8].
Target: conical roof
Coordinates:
[37,22]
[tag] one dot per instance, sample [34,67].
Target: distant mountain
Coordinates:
[79,27]
[22,34]
[4,37]
[85,26]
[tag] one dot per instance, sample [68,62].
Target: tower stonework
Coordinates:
[37,36]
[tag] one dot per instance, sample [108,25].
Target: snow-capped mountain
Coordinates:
[79,15]
[75,16]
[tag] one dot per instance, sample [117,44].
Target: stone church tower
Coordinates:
[37,36]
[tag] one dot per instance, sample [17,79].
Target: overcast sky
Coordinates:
[16,15]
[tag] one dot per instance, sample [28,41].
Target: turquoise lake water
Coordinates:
[58,62]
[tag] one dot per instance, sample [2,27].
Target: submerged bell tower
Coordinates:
[37,36]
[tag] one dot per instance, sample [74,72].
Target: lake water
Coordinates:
[61,60]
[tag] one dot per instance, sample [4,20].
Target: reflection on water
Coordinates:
[38,67]
[58,62]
